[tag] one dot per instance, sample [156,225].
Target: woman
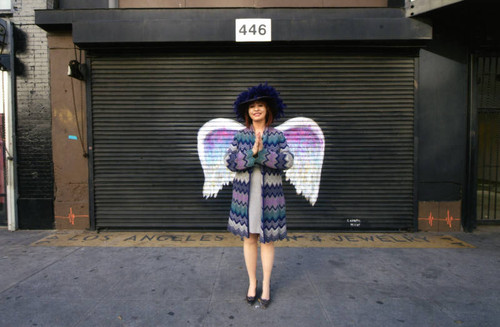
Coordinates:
[258,154]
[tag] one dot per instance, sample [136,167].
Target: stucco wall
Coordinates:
[71,205]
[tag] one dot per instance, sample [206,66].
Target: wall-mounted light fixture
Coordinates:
[76,70]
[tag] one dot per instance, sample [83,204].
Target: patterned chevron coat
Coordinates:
[274,158]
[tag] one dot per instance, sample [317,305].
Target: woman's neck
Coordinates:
[259,126]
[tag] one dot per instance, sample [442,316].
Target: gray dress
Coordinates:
[255,205]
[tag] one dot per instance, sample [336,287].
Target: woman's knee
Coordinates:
[252,239]
[268,245]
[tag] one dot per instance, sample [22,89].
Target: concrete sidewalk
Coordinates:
[179,286]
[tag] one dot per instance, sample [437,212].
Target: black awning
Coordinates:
[108,26]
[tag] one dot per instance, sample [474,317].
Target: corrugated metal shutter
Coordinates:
[147,110]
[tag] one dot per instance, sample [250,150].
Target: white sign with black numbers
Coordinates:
[253,30]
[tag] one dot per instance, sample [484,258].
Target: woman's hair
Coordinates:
[269,116]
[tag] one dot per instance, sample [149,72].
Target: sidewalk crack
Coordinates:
[210,301]
[316,292]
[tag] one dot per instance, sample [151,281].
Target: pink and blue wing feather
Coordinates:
[214,138]
[307,143]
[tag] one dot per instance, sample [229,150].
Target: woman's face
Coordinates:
[257,111]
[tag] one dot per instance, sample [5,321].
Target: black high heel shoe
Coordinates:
[264,303]
[251,299]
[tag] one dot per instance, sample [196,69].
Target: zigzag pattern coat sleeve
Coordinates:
[276,155]
[239,156]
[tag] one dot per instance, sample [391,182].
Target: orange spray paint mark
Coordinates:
[449,219]
[71,216]
[430,218]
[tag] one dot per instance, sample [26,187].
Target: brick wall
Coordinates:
[34,144]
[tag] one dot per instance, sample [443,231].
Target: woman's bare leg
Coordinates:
[250,252]
[267,257]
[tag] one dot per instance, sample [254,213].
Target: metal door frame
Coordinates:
[471,218]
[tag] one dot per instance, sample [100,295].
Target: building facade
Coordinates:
[135,138]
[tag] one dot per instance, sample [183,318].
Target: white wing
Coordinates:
[307,143]
[214,138]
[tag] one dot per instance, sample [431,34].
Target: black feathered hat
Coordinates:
[262,92]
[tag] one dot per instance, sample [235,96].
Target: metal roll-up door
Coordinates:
[147,110]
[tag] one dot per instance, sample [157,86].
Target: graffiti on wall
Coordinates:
[430,219]
[71,216]
[304,137]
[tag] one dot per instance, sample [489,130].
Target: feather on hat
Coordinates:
[263,92]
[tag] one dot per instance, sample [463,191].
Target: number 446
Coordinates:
[261,29]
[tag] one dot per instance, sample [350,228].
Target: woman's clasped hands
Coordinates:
[257,146]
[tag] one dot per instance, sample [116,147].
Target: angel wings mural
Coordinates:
[305,139]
